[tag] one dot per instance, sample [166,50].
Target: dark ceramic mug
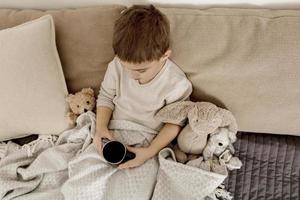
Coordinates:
[115,152]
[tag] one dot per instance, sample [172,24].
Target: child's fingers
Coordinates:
[128,164]
[122,166]
[96,140]
[98,146]
[110,137]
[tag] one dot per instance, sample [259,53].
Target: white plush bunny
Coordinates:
[204,118]
[218,142]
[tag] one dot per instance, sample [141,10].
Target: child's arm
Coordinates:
[164,137]
[103,116]
[105,106]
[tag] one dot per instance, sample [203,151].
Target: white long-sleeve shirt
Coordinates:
[137,102]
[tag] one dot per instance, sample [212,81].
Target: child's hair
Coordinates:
[141,34]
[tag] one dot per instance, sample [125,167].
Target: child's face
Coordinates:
[145,71]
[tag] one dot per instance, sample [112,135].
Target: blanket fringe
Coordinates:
[30,148]
[220,193]
[3,149]
[6,148]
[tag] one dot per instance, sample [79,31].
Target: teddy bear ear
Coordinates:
[89,91]
[174,112]
[69,97]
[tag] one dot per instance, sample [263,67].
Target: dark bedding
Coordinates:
[271,167]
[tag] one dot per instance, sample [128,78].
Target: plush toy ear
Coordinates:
[232,136]
[89,91]
[228,120]
[69,98]
[231,148]
[204,118]
[174,112]
[208,151]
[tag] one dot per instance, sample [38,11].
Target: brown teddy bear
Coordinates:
[79,103]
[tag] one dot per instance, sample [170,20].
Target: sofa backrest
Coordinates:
[245,60]
[242,59]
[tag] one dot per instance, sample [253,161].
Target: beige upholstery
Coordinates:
[84,40]
[32,83]
[242,59]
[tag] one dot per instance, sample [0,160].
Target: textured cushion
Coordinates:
[84,40]
[245,60]
[32,83]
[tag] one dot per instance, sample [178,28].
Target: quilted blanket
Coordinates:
[69,167]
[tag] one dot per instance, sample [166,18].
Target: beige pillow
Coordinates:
[84,40]
[32,83]
[245,60]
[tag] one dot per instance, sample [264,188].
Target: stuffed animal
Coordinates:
[204,118]
[181,156]
[218,165]
[227,159]
[218,142]
[219,193]
[217,154]
[79,103]
[212,165]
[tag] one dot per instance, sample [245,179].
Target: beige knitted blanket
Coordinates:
[69,167]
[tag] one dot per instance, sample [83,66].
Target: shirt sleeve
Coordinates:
[180,92]
[108,88]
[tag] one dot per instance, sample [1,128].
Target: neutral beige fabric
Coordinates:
[245,60]
[32,83]
[84,40]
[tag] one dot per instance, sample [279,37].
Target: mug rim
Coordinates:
[123,155]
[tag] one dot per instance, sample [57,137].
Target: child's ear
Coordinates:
[166,55]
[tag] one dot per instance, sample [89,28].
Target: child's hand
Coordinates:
[141,156]
[101,133]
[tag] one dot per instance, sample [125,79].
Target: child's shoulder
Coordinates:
[179,86]
[114,66]
[176,73]
[114,63]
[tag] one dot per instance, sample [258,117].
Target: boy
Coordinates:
[140,80]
